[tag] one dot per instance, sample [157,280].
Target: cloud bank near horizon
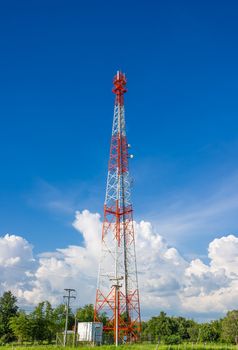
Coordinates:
[167,280]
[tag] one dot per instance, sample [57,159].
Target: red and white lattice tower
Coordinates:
[117,290]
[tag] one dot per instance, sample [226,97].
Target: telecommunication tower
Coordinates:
[117,290]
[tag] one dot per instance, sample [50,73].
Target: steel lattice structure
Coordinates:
[117,290]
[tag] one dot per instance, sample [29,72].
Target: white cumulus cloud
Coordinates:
[167,280]
[16,263]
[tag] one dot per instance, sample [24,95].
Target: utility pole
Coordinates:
[75,328]
[116,287]
[67,298]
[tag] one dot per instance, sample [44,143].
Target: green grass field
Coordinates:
[131,347]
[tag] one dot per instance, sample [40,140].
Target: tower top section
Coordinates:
[119,89]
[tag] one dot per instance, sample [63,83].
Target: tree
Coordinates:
[21,326]
[42,322]
[160,327]
[181,327]
[193,332]
[86,313]
[216,329]
[8,309]
[206,333]
[59,314]
[172,339]
[230,327]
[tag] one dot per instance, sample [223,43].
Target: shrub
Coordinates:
[172,339]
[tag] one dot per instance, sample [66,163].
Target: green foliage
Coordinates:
[230,327]
[58,317]
[211,331]
[165,328]
[172,339]
[181,326]
[160,326]
[44,322]
[173,330]
[205,333]
[40,325]
[21,326]
[8,309]
[41,320]
[103,318]
[193,332]
[86,313]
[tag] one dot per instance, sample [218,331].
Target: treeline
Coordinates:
[176,330]
[44,322]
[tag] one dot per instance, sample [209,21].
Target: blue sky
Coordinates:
[57,62]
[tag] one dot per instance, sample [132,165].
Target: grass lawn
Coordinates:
[131,347]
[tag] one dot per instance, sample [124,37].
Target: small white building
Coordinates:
[90,332]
